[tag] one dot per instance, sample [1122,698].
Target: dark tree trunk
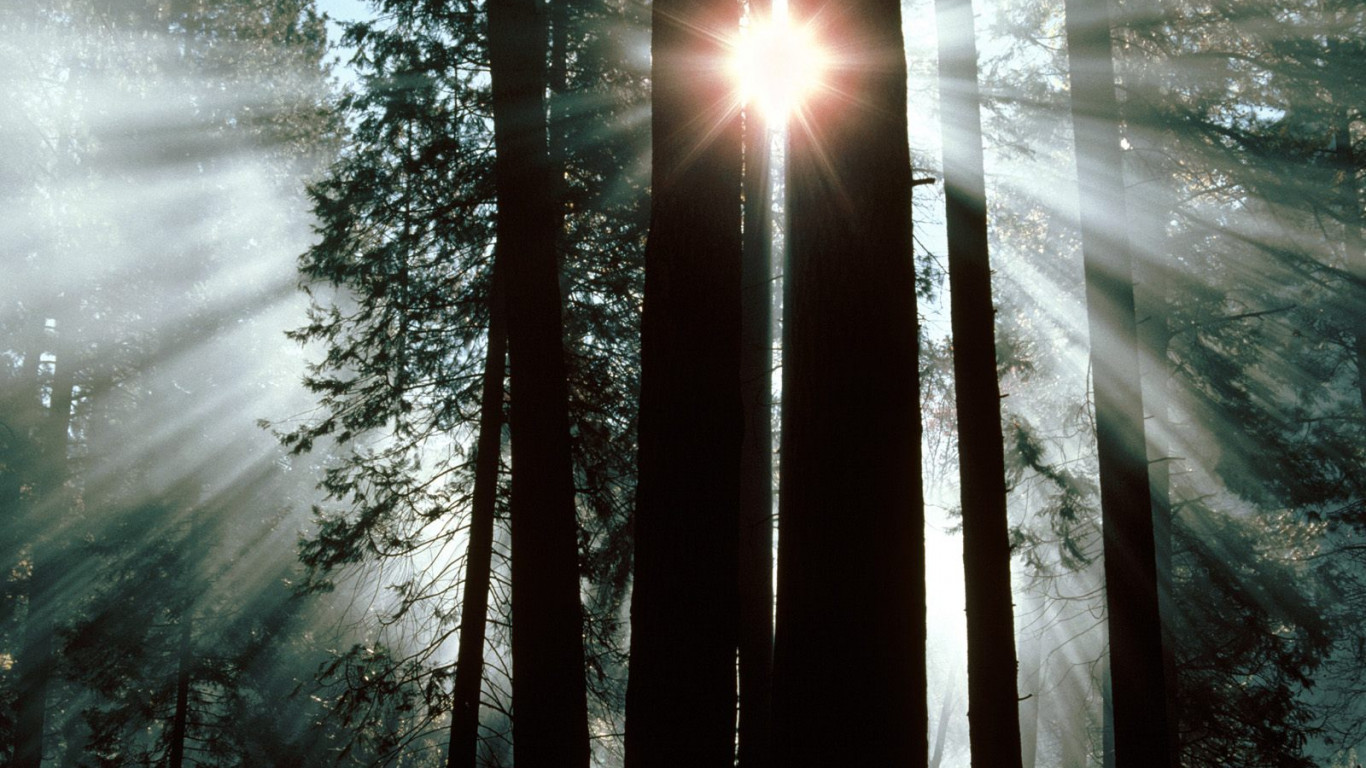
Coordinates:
[550,721]
[469,664]
[1150,202]
[993,699]
[180,721]
[1137,681]
[756,458]
[1155,337]
[680,703]
[849,674]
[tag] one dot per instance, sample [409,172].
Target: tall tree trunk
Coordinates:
[180,721]
[469,664]
[850,645]
[756,458]
[36,662]
[550,721]
[1155,336]
[1150,204]
[680,703]
[993,699]
[1136,676]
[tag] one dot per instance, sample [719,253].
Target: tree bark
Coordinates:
[680,703]
[469,664]
[993,698]
[181,719]
[550,725]
[850,644]
[756,459]
[1137,681]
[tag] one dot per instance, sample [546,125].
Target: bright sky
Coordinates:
[339,11]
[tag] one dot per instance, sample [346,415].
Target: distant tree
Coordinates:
[850,642]
[1142,737]
[79,348]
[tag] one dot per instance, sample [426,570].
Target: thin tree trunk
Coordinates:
[941,731]
[469,664]
[34,669]
[680,703]
[993,699]
[756,459]
[550,725]
[850,645]
[180,722]
[1137,679]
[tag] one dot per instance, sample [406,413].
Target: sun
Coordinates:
[777,67]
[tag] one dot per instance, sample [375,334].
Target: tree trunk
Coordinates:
[680,703]
[180,722]
[1136,677]
[469,664]
[550,725]
[1150,204]
[1156,336]
[993,699]
[850,645]
[756,458]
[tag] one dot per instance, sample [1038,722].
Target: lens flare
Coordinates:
[777,67]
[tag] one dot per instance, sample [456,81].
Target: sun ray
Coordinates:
[777,67]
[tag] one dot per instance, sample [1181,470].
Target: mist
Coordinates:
[248,313]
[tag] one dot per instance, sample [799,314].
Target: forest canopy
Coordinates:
[690,383]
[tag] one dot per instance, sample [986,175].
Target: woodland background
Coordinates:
[248,367]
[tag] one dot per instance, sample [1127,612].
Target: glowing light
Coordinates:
[777,67]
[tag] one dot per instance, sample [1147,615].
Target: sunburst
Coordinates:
[777,67]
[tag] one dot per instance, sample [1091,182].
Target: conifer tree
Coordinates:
[1139,698]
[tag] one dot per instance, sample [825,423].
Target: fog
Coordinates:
[179,417]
